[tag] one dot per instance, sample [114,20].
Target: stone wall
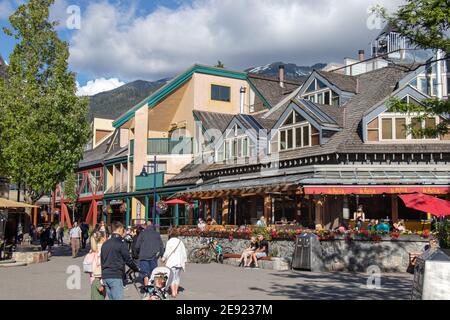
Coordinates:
[30,257]
[340,254]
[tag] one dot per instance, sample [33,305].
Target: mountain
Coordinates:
[111,104]
[292,71]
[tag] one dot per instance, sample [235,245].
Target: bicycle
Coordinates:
[211,251]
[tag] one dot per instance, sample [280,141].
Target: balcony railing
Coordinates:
[163,146]
[148,182]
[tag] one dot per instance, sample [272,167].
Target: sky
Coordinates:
[113,42]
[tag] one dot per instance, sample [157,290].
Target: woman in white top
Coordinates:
[175,258]
[97,289]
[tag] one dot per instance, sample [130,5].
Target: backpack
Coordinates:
[88,262]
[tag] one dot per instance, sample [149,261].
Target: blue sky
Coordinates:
[121,41]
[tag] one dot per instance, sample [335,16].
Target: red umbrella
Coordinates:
[427,204]
[176,201]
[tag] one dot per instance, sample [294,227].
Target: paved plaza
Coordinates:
[47,281]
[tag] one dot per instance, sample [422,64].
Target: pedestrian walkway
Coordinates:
[214,281]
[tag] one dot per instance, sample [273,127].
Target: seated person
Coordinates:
[261,222]
[210,221]
[284,221]
[432,244]
[400,226]
[343,227]
[247,254]
[383,227]
[372,225]
[262,251]
[319,227]
[201,224]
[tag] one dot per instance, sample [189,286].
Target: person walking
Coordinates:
[44,238]
[75,237]
[84,234]
[60,234]
[149,247]
[51,237]
[114,256]
[175,258]
[98,290]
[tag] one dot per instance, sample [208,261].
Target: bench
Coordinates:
[237,256]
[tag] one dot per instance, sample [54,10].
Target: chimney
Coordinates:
[361,55]
[242,101]
[281,75]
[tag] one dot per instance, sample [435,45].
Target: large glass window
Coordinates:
[386,128]
[400,128]
[220,93]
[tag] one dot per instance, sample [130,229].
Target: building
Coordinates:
[326,148]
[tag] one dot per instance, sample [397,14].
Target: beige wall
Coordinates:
[102,128]
[174,163]
[140,138]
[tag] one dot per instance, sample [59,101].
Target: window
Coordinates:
[372,130]
[297,136]
[220,93]
[396,127]
[400,128]
[305,136]
[236,148]
[161,166]
[386,129]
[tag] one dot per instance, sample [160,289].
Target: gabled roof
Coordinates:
[174,84]
[323,114]
[343,82]
[270,89]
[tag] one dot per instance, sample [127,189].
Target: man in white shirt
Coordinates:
[75,237]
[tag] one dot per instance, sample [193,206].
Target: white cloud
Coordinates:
[245,33]
[6,9]
[98,85]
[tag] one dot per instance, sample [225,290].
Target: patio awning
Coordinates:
[245,186]
[372,189]
[5,203]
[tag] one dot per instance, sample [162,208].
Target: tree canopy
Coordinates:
[43,124]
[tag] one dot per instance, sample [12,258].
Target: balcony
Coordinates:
[163,146]
[148,182]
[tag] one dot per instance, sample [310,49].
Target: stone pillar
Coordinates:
[394,208]
[225,210]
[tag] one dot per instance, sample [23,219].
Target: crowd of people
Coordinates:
[113,247]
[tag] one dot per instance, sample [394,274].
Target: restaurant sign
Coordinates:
[362,190]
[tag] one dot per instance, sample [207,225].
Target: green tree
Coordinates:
[426,24]
[43,124]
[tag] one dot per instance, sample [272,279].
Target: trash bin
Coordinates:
[307,253]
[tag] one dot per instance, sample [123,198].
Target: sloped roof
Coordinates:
[189,175]
[271,90]
[323,114]
[342,81]
[213,120]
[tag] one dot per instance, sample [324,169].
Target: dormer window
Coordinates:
[297,133]
[319,93]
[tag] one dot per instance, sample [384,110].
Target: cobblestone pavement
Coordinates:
[47,281]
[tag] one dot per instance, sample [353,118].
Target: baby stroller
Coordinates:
[159,284]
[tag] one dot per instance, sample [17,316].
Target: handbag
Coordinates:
[88,262]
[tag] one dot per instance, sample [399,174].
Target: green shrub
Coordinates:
[442,233]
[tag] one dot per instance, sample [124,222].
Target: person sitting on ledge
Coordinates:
[262,222]
[247,253]
[284,221]
[262,251]
[201,224]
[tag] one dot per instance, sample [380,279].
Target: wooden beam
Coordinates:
[225,210]
[268,207]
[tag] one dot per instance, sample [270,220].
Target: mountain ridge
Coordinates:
[112,104]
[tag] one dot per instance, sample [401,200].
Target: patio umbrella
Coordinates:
[427,204]
[5,203]
[175,201]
